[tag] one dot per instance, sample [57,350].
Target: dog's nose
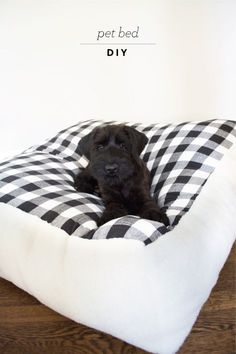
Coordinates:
[111,169]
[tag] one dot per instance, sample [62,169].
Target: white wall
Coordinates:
[49,81]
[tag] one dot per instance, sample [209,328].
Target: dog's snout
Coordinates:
[111,168]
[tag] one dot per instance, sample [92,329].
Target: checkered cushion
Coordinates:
[180,157]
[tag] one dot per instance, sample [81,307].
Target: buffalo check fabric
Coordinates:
[180,157]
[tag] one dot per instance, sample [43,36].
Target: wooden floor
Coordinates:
[27,327]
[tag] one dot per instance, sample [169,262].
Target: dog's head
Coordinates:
[113,152]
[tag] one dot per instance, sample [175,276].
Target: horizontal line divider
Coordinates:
[118,43]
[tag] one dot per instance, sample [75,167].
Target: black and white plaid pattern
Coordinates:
[180,157]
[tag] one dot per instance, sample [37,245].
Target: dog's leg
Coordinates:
[112,211]
[85,183]
[114,205]
[148,209]
[151,211]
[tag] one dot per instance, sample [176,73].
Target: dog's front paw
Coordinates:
[110,215]
[84,183]
[156,215]
[104,219]
[84,188]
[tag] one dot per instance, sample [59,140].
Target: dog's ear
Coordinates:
[85,145]
[138,139]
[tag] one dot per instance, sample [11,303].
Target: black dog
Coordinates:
[116,171]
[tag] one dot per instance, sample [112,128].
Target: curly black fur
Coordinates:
[116,171]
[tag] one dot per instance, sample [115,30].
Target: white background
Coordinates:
[49,81]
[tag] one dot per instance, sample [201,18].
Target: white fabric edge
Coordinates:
[148,296]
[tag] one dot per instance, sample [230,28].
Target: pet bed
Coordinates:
[133,278]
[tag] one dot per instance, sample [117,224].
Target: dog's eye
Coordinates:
[123,146]
[99,147]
